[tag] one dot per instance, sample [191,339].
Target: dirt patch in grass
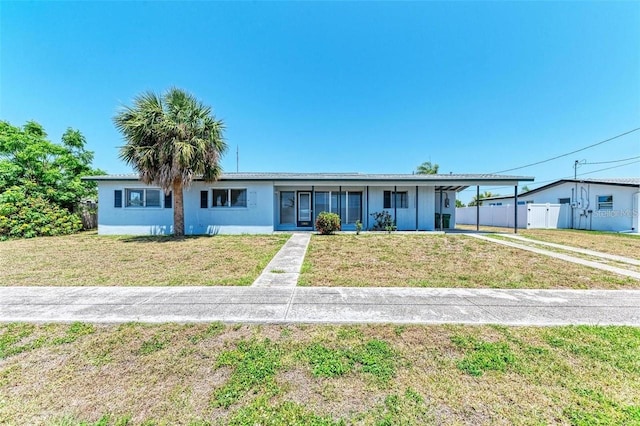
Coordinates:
[449,260]
[396,375]
[88,259]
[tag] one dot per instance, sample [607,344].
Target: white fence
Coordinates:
[549,216]
[529,216]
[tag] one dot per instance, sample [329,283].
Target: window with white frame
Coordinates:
[401,200]
[142,197]
[605,202]
[229,198]
[564,200]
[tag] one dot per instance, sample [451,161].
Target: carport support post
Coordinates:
[515,214]
[313,209]
[417,221]
[340,204]
[440,224]
[477,207]
[367,211]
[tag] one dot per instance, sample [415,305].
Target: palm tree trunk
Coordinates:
[178,209]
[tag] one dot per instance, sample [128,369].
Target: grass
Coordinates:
[88,259]
[607,242]
[318,375]
[451,260]
[537,243]
[620,244]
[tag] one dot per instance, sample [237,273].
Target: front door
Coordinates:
[304,209]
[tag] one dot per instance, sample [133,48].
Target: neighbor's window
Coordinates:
[605,202]
[564,200]
[229,198]
[401,200]
[142,197]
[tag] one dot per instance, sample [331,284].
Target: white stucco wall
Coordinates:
[257,217]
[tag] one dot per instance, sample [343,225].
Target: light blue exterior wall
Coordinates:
[256,218]
[130,220]
[261,215]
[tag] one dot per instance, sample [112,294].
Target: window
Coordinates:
[354,211]
[142,197]
[605,202]
[564,200]
[401,200]
[229,198]
[287,207]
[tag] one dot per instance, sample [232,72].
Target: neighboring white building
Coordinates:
[267,202]
[591,204]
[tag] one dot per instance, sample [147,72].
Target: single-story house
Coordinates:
[602,204]
[267,202]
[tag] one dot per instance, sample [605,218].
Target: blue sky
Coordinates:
[343,87]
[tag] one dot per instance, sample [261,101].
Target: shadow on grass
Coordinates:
[162,238]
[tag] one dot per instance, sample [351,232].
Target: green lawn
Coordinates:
[627,245]
[72,374]
[88,259]
[450,260]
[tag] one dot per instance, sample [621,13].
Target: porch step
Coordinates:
[284,268]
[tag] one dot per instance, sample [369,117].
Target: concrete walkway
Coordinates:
[284,268]
[562,256]
[319,305]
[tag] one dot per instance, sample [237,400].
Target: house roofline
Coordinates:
[561,181]
[459,180]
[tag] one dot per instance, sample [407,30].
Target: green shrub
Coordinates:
[23,216]
[383,221]
[327,223]
[358,227]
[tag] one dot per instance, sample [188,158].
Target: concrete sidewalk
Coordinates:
[319,305]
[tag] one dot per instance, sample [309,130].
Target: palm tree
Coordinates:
[475,201]
[171,140]
[427,168]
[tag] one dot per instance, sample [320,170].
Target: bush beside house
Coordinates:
[41,182]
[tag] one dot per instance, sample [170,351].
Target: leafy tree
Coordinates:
[53,171]
[427,168]
[460,203]
[170,140]
[478,201]
[41,181]
[524,189]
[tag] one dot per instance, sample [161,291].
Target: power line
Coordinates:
[569,153]
[614,161]
[609,168]
[570,177]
